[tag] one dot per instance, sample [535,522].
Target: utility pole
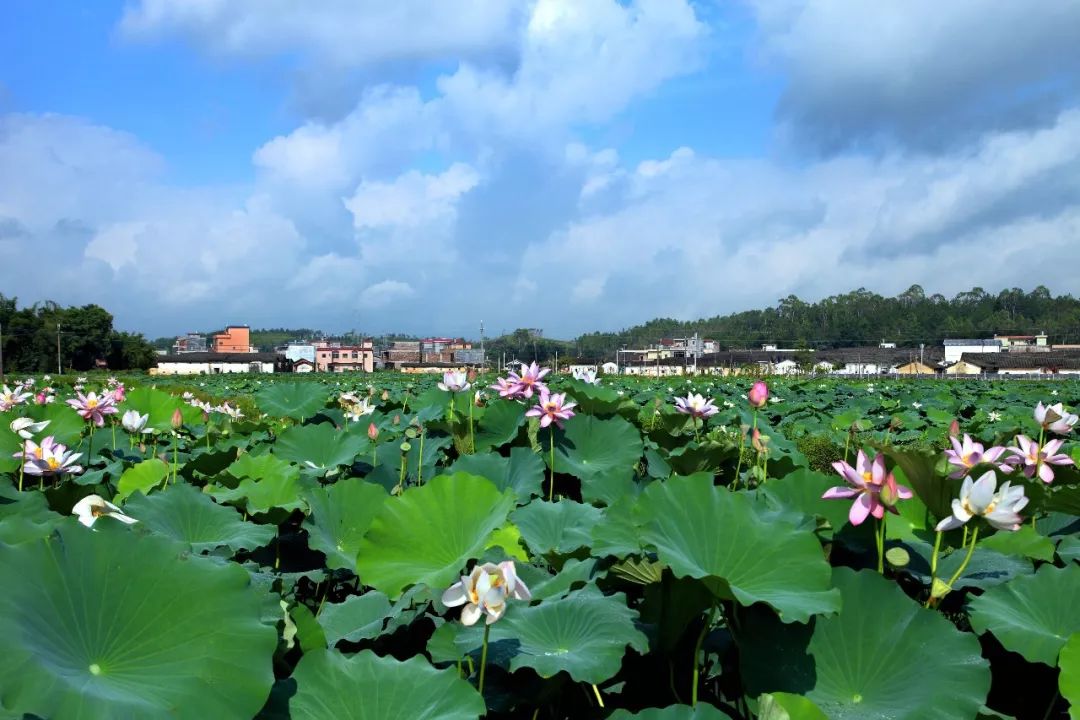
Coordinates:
[59,367]
[483,356]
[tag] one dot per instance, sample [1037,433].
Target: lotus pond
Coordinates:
[385,546]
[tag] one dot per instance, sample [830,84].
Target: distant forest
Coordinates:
[862,317]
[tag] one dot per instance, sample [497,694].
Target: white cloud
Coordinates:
[386,292]
[346,33]
[412,200]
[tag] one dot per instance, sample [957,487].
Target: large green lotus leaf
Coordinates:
[618,535]
[560,527]
[25,516]
[141,478]
[114,623]
[268,482]
[1069,548]
[10,443]
[319,446]
[1025,542]
[584,634]
[920,468]
[523,471]
[704,531]
[675,712]
[498,425]
[368,687]
[884,656]
[986,569]
[183,513]
[65,425]
[340,515]
[1069,677]
[159,406]
[430,532]
[1032,615]
[293,400]
[359,617]
[786,706]
[590,447]
[801,491]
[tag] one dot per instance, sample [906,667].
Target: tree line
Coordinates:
[29,339]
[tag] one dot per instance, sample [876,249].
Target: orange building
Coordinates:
[234,339]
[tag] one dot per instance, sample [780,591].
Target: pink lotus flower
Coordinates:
[49,458]
[507,388]
[874,490]
[93,408]
[118,393]
[696,406]
[529,381]
[1030,455]
[1055,418]
[758,395]
[552,409]
[968,454]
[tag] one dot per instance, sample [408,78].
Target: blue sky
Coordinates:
[569,164]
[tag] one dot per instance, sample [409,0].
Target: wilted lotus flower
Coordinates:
[977,498]
[91,507]
[758,395]
[454,381]
[966,455]
[27,428]
[93,408]
[874,490]
[10,398]
[1055,418]
[49,458]
[552,409]
[133,422]
[696,406]
[485,590]
[1030,455]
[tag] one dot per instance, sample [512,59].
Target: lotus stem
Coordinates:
[933,566]
[599,697]
[420,460]
[112,426]
[90,447]
[967,558]
[697,652]
[551,435]
[174,460]
[401,475]
[483,658]
[472,436]
[879,539]
[22,468]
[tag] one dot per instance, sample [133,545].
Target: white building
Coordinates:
[610,368]
[300,351]
[211,363]
[954,348]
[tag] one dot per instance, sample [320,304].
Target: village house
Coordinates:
[956,347]
[233,339]
[215,363]
[336,357]
[1026,363]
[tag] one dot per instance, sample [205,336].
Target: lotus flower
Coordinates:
[93,408]
[529,381]
[507,388]
[552,408]
[91,507]
[587,376]
[758,395]
[874,490]
[118,392]
[27,428]
[454,381]
[1055,418]
[133,422]
[49,458]
[977,498]
[485,590]
[234,413]
[968,454]
[357,410]
[10,398]
[1031,456]
[696,406]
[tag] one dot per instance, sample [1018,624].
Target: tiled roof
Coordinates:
[1061,360]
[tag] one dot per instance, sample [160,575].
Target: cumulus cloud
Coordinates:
[921,73]
[341,32]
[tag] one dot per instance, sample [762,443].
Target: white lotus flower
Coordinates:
[27,428]
[1055,418]
[978,498]
[454,381]
[485,590]
[133,422]
[993,416]
[91,507]
[233,412]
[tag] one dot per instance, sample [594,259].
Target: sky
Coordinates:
[572,165]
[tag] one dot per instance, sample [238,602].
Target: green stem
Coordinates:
[22,468]
[551,435]
[112,426]
[174,458]
[963,543]
[847,445]
[401,476]
[738,465]
[90,447]
[472,438]
[483,657]
[879,538]
[967,558]
[420,461]
[697,652]
[933,566]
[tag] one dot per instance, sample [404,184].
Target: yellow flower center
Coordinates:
[91,404]
[867,476]
[53,463]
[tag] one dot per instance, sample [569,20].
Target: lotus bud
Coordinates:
[954,428]
[372,432]
[397,420]
[759,394]
[471,375]
[177,419]
[385,395]
[889,494]
[896,423]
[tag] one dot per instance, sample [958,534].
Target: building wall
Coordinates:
[963,368]
[234,339]
[210,368]
[300,351]
[953,352]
